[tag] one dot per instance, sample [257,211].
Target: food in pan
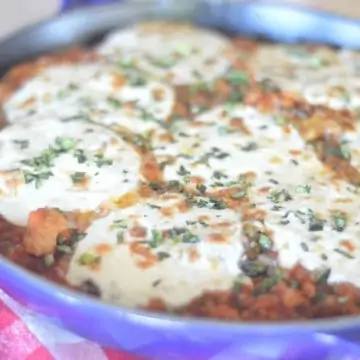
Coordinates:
[174,169]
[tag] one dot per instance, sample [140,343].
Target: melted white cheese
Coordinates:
[178,54]
[321,75]
[133,91]
[215,152]
[186,270]
[97,91]
[107,166]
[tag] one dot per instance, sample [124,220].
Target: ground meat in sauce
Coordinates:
[286,295]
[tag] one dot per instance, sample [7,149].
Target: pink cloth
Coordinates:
[28,336]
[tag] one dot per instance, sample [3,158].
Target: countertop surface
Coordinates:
[15,14]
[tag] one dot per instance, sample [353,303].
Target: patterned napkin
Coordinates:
[25,335]
[28,336]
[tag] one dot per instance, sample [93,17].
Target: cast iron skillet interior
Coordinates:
[87,26]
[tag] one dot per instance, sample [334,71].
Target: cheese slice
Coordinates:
[178,54]
[70,165]
[158,250]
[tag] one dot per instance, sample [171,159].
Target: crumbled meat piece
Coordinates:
[43,227]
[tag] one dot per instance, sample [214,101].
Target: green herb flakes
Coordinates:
[182,171]
[23,144]
[189,238]
[36,178]
[279,196]
[236,77]
[157,239]
[162,255]
[251,146]
[65,143]
[89,259]
[339,221]
[201,188]
[101,161]
[120,224]
[265,242]
[344,253]
[120,237]
[303,189]
[49,260]
[239,195]
[253,268]
[323,276]
[64,249]
[78,177]
[113,102]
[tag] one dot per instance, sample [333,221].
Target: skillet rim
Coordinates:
[69,296]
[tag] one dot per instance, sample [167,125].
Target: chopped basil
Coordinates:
[157,239]
[36,178]
[43,162]
[266,285]
[189,238]
[125,64]
[113,102]
[80,156]
[49,260]
[65,249]
[279,120]
[64,93]
[343,299]
[338,150]
[295,284]
[278,196]
[216,204]
[251,146]
[253,268]
[239,195]
[90,288]
[219,175]
[344,253]
[265,242]
[76,236]
[155,185]
[163,63]
[156,283]
[339,222]
[223,130]
[304,246]
[162,255]
[65,143]
[236,77]
[182,171]
[174,184]
[323,276]
[143,142]
[78,177]
[303,189]
[120,223]
[152,206]
[316,224]
[201,188]
[100,160]
[23,144]
[240,280]
[136,79]
[268,86]
[88,259]
[120,237]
